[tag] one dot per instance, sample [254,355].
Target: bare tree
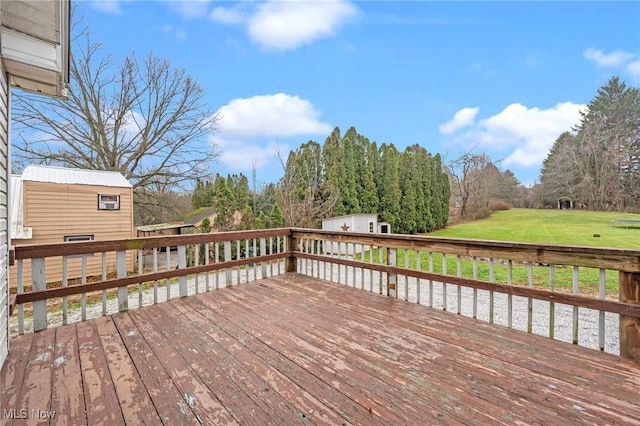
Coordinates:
[469,181]
[142,118]
[304,196]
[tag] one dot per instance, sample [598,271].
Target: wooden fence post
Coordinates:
[38,282]
[182,264]
[121,272]
[629,284]
[292,261]
[392,278]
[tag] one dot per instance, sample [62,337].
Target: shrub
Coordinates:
[497,204]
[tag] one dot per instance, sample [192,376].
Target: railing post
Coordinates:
[629,284]
[182,264]
[227,258]
[392,278]
[38,282]
[121,272]
[292,246]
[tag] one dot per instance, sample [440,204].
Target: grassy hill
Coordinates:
[565,227]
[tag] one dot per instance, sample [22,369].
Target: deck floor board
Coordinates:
[291,349]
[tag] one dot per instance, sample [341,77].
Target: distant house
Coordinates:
[54,205]
[360,222]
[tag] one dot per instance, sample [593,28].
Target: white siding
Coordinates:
[4,224]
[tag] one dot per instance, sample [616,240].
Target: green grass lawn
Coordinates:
[563,227]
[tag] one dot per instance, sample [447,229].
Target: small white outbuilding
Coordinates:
[360,222]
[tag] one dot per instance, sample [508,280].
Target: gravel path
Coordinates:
[588,319]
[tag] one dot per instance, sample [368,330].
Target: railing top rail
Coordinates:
[597,257]
[87,247]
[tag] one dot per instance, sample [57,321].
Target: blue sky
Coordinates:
[505,78]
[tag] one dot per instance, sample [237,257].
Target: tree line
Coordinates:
[596,164]
[349,174]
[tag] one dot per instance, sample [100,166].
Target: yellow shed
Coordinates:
[54,204]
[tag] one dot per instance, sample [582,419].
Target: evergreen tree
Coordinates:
[389,190]
[224,205]
[276,219]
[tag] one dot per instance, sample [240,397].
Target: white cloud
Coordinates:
[227,15]
[633,68]
[189,9]
[524,134]
[613,59]
[462,118]
[250,128]
[179,34]
[285,25]
[107,6]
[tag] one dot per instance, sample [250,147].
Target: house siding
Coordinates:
[4,222]
[54,210]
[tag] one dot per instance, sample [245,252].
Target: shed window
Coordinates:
[108,202]
[370,226]
[73,238]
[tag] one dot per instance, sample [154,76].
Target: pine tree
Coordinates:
[276,219]
[224,205]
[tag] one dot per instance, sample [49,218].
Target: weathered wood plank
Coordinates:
[198,392]
[377,352]
[629,288]
[134,400]
[167,399]
[13,372]
[67,390]
[573,364]
[98,387]
[321,403]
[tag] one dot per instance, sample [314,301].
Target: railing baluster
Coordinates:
[601,318]
[406,277]
[182,264]
[459,288]
[155,269]
[381,260]
[263,250]
[140,271]
[509,296]
[38,278]
[104,277]
[475,290]
[20,290]
[168,268]
[576,286]
[371,270]
[227,258]
[65,299]
[431,281]
[444,284]
[121,272]
[255,254]
[552,307]
[492,279]
[207,278]
[530,300]
[418,281]
[392,278]
[271,261]
[238,249]
[217,260]
[196,262]
[83,281]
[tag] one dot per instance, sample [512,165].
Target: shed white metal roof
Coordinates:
[18,231]
[74,176]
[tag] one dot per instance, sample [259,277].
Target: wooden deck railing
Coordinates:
[583,295]
[586,296]
[167,267]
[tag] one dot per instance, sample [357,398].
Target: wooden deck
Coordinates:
[294,350]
